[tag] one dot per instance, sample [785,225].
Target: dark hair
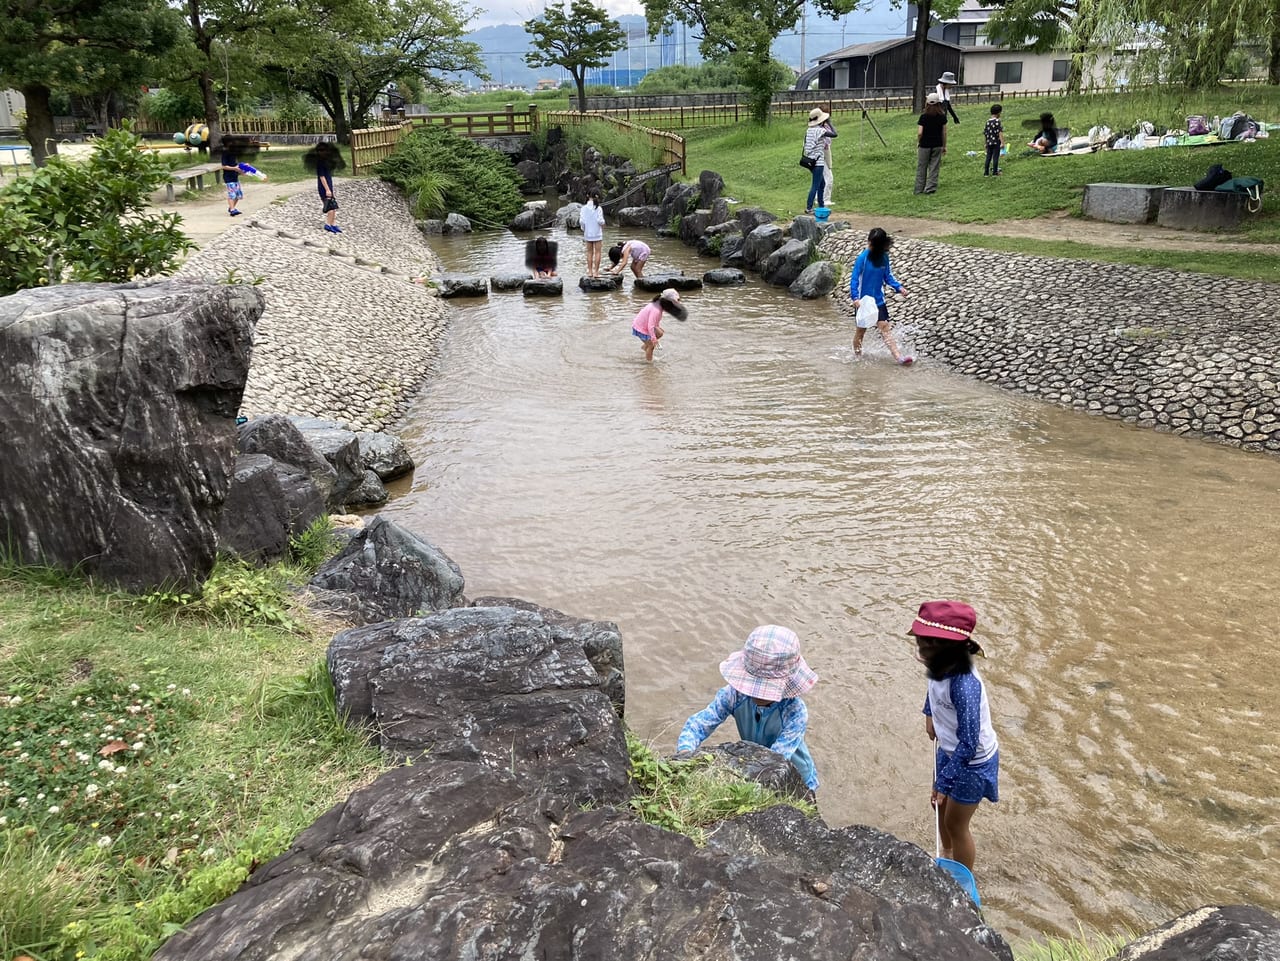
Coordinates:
[594,197]
[674,308]
[996,108]
[615,254]
[878,244]
[1047,121]
[540,245]
[935,108]
[946,657]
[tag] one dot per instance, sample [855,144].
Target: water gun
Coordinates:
[251,171]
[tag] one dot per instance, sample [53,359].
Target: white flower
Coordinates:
[91,789]
[186,692]
[105,765]
[104,841]
[134,688]
[23,756]
[17,744]
[172,687]
[82,757]
[15,700]
[137,746]
[175,817]
[64,743]
[209,853]
[22,802]
[3,821]
[120,769]
[54,809]
[40,796]
[133,709]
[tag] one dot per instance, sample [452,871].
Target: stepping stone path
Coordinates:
[724,277]
[656,283]
[607,282]
[463,287]
[544,287]
[508,281]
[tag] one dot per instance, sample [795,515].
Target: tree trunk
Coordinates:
[204,43]
[580,78]
[924,11]
[39,127]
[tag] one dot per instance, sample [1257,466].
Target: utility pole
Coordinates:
[804,18]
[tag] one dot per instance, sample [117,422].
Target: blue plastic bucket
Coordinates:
[963,877]
[820,214]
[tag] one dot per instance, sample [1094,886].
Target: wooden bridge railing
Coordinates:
[374,144]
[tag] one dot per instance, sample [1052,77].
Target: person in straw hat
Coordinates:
[945,83]
[958,716]
[815,137]
[766,679]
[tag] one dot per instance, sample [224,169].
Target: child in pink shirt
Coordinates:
[647,324]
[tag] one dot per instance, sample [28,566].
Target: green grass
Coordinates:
[1251,266]
[153,750]
[1089,946]
[760,164]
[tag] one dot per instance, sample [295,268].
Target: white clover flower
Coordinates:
[133,709]
[186,692]
[120,769]
[137,746]
[23,756]
[54,809]
[17,744]
[4,821]
[91,789]
[175,817]
[22,802]
[82,757]
[104,841]
[209,853]
[40,796]
[64,743]
[134,688]
[105,765]
[172,687]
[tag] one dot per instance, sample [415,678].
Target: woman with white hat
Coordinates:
[945,83]
[811,157]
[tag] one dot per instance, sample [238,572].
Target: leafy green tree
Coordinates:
[578,39]
[742,33]
[77,46]
[88,221]
[344,53]
[706,76]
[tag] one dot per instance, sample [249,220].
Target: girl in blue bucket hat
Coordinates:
[766,679]
[958,717]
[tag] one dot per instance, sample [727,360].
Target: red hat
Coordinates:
[947,621]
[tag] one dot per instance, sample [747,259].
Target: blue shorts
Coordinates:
[233,191]
[974,783]
[645,337]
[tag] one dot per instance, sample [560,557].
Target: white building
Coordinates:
[12,103]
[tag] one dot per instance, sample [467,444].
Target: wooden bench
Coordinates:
[194,177]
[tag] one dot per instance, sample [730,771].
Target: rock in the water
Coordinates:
[724,277]
[786,263]
[530,219]
[457,224]
[369,492]
[543,287]
[569,216]
[657,282]
[341,449]
[509,281]
[732,251]
[607,282]
[119,461]
[451,286]
[757,763]
[1233,932]
[816,280]
[384,454]
[650,216]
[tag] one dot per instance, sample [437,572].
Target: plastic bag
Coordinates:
[868,311]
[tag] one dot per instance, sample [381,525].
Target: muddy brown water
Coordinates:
[1125,580]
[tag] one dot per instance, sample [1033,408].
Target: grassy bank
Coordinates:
[760,164]
[153,751]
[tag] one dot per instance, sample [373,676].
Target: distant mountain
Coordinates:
[503,47]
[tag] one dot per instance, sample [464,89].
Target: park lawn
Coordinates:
[760,165]
[152,751]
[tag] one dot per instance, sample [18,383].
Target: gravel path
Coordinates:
[345,335]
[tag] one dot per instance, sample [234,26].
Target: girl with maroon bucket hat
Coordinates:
[766,679]
[958,717]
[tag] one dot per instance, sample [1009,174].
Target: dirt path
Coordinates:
[204,214]
[1063,226]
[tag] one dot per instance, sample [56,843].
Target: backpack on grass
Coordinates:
[1214,176]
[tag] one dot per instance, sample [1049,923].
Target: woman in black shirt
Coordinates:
[931,144]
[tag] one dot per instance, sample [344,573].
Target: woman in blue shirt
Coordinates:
[870,275]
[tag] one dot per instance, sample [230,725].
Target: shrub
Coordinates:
[444,173]
[86,221]
[613,141]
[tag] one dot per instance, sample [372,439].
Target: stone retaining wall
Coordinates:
[1180,352]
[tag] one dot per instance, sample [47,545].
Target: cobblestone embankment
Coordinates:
[345,334]
[1178,352]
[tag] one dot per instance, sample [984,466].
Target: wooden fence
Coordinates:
[370,146]
[668,146]
[373,144]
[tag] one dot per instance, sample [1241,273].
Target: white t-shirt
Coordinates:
[944,92]
[592,218]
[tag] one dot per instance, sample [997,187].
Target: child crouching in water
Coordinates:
[766,679]
[647,324]
[958,717]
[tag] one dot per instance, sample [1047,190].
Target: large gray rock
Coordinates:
[732,251]
[341,450]
[256,522]
[543,287]
[457,224]
[454,286]
[786,263]
[724,277]
[600,640]
[805,227]
[752,217]
[720,211]
[384,454]
[508,281]
[528,220]
[1234,932]
[657,282]
[710,184]
[648,216]
[278,437]
[754,762]
[119,425]
[387,571]
[679,200]
[569,216]
[597,284]
[457,859]
[367,494]
[816,280]
[531,171]
[692,225]
[760,243]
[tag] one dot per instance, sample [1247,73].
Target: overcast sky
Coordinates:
[877,21]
